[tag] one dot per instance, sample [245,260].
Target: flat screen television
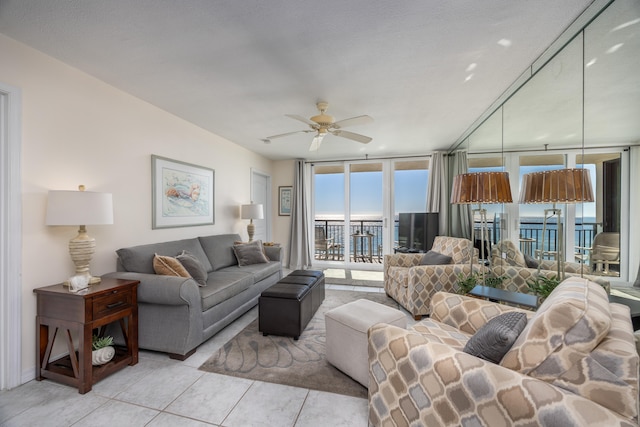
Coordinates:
[416,231]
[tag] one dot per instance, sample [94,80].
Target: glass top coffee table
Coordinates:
[500,295]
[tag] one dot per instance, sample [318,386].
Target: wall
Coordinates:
[283,174]
[79,130]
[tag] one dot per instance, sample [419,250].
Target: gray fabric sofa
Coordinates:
[175,315]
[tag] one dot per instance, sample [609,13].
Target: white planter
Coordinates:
[102,356]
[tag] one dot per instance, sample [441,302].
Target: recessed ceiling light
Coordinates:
[469,77]
[590,63]
[504,42]
[471,67]
[615,47]
[541,137]
[626,24]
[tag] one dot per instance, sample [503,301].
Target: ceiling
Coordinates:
[423,69]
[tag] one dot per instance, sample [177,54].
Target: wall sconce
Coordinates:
[80,208]
[251,212]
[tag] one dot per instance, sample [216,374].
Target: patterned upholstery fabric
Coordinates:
[466,313]
[415,382]
[568,325]
[505,252]
[412,285]
[418,379]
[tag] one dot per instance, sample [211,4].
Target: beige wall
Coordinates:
[79,130]
[283,172]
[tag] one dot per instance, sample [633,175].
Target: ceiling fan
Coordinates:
[322,124]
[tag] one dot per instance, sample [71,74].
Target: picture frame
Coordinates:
[182,194]
[285,198]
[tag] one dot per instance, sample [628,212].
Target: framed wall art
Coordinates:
[182,194]
[285,195]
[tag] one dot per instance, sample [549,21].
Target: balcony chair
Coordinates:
[572,363]
[412,284]
[604,252]
[324,246]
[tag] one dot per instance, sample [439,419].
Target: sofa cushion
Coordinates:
[568,325]
[169,266]
[195,268]
[219,250]
[139,259]
[442,333]
[250,253]
[609,374]
[258,271]
[222,285]
[435,258]
[495,338]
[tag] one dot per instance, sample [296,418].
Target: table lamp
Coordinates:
[251,212]
[556,186]
[481,187]
[80,208]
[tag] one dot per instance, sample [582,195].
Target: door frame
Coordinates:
[11,240]
[267,204]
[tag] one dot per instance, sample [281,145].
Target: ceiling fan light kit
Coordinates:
[323,123]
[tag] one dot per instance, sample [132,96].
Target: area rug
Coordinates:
[283,360]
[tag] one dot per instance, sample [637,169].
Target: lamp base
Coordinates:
[81,248]
[251,230]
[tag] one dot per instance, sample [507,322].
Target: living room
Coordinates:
[76,129]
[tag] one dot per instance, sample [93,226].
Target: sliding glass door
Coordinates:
[357,206]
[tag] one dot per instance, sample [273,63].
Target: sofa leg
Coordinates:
[176,356]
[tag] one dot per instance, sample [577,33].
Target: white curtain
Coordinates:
[300,243]
[438,190]
[460,220]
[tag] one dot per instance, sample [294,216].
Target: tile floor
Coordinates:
[159,392]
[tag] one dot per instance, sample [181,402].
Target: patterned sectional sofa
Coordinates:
[574,364]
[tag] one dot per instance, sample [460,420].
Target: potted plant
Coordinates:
[103,350]
[543,286]
[466,283]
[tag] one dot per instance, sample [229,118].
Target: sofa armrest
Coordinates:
[274,253]
[465,313]
[416,382]
[166,290]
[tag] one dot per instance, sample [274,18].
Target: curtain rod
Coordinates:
[368,158]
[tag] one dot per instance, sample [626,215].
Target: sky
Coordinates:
[366,192]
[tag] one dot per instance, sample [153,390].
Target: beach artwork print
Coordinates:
[183,194]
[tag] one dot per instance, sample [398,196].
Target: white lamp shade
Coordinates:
[252,211]
[79,208]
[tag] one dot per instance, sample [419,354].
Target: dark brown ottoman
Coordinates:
[287,307]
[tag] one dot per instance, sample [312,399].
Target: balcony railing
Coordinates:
[530,237]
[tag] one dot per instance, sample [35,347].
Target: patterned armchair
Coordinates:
[574,364]
[412,285]
[507,261]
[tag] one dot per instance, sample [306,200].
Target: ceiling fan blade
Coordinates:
[302,119]
[353,121]
[288,133]
[353,136]
[317,140]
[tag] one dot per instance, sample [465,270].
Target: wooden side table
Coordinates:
[61,312]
